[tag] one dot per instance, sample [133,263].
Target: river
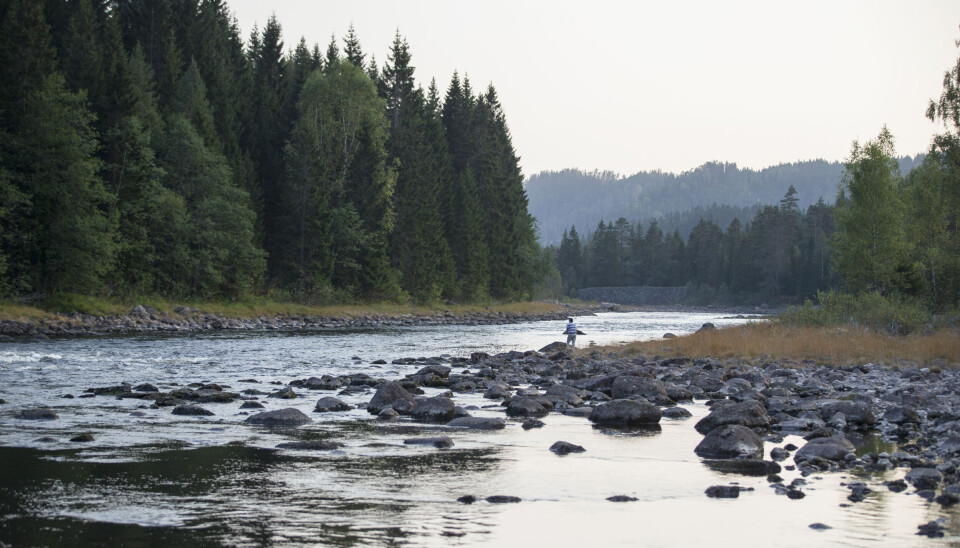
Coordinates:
[152,478]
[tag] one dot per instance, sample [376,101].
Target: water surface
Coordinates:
[158,479]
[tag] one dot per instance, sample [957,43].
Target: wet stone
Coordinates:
[440,442]
[622,498]
[192,410]
[43,414]
[502,499]
[85,437]
[565,448]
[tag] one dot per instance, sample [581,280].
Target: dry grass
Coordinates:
[822,345]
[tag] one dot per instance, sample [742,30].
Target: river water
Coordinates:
[152,478]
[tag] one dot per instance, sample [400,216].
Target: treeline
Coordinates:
[889,236]
[147,149]
[781,255]
[560,199]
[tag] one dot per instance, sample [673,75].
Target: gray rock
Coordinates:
[730,441]
[564,448]
[42,414]
[478,423]
[251,405]
[312,445]
[924,478]
[279,417]
[723,491]
[676,413]
[625,386]
[85,437]
[192,410]
[556,346]
[746,467]
[622,498]
[901,415]
[532,423]
[437,409]
[750,414]
[285,393]
[526,407]
[857,415]
[331,403]
[830,448]
[388,414]
[440,442]
[387,394]
[625,413]
[502,499]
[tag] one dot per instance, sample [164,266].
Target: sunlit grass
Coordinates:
[838,346]
[253,307]
[21,313]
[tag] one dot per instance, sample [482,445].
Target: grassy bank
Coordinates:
[838,346]
[250,308]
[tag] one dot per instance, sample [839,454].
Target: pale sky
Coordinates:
[630,86]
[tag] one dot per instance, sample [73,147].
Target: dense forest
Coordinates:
[147,149]
[886,233]
[714,190]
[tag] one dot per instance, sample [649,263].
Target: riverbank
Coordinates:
[184,319]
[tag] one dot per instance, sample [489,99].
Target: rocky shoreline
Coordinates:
[145,320]
[753,406]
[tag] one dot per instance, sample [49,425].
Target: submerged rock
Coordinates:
[565,448]
[312,445]
[191,410]
[828,448]
[478,423]
[42,414]
[723,491]
[440,442]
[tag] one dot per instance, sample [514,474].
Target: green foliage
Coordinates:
[868,310]
[67,303]
[869,243]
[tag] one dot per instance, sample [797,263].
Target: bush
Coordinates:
[873,311]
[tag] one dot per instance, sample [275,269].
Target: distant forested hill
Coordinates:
[718,191]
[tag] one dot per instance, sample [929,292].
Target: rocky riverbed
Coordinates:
[910,414]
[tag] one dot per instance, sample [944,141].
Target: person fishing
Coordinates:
[571,332]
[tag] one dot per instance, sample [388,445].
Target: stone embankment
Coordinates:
[145,319]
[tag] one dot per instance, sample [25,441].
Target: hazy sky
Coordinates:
[634,86]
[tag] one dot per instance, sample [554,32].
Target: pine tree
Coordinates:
[59,237]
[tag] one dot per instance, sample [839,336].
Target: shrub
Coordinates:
[894,315]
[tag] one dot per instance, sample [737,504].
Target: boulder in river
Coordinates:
[42,414]
[625,386]
[331,403]
[565,448]
[924,478]
[730,441]
[526,407]
[750,414]
[478,423]
[310,445]
[723,491]
[440,442]
[192,410]
[279,417]
[833,448]
[625,413]
[437,409]
[388,393]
